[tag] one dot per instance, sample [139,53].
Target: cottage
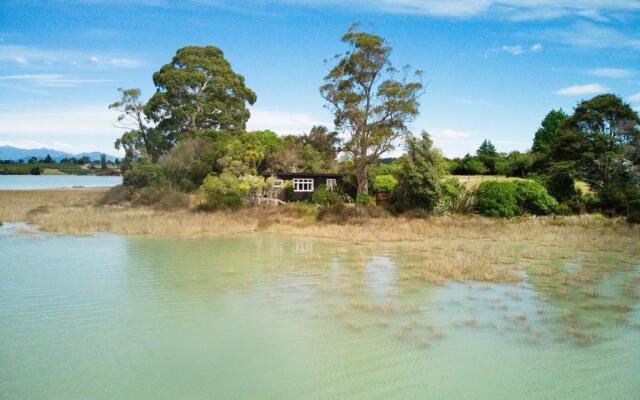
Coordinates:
[304,183]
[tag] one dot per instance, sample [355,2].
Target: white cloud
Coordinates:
[586,34]
[611,72]
[515,50]
[29,55]
[536,47]
[578,90]
[635,97]
[51,80]
[282,122]
[76,120]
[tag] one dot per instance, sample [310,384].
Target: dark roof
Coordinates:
[304,174]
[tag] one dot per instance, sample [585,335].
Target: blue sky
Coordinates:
[493,69]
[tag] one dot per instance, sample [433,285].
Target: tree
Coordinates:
[548,131]
[601,142]
[420,176]
[48,159]
[140,139]
[488,155]
[198,90]
[103,162]
[325,142]
[368,104]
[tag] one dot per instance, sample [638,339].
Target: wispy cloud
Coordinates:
[587,34]
[71,120]
[579,90]
[536,48]
[452,134]
[517,10]
[611,72]
[515,50]
[51,80]
[635,97]
[282,122]
[29,55]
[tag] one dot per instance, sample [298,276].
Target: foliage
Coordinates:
[140,139]
[188,163]
[547,133]
[533,198]
[326,197]
[14,168]
[497,199]
[35,171]
[601,143]
[364,199]
[116,195]
[325,143]
[144,173]
[161,198]
[420,176]
[562,186]
[198,90]
[384,183]
[519,164]
[222,191]
[367,102]
[456,199]
[633,211]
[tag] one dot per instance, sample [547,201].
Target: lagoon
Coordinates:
[37,182]
[258,316]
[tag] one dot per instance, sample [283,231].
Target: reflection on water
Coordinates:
[260,317]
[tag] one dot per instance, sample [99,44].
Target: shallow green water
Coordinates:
[112,317]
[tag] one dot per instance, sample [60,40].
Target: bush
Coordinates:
[497,199]
[384,183]
[562,186]
[188,163]
[325,197]
[160,198]
[533,198]
[363,199]
[143,174]
[633,211]
[222,191]
[116,195]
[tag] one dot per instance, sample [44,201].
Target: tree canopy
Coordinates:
[368,103]
[198,90]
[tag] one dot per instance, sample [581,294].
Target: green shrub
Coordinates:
[533,198]
[143,174]
[633,211]
[35,171]
[116,195]
[222,191]
[561,186]
[363,199]
[563,209]
[384,183]
[326,197]
[497,199]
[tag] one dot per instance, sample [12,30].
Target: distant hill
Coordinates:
[16,154]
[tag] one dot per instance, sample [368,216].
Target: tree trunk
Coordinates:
[361,175]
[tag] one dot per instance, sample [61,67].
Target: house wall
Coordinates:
[300,196]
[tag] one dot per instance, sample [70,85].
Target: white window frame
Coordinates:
[303,185]
[332,183]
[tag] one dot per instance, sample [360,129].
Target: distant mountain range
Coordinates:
[16,154]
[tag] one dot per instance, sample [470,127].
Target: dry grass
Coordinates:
[473,181]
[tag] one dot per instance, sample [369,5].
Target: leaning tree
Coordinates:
[369,104]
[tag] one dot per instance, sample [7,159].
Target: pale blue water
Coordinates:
[262,317]
[27,182]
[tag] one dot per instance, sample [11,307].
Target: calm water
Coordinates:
[112,317]
[24,182]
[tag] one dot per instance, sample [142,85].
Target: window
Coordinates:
[331,183]
[303,185]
